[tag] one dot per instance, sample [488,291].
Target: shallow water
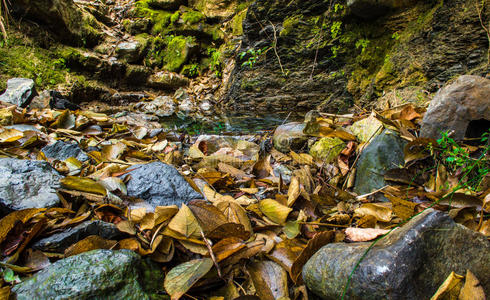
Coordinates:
[229,123]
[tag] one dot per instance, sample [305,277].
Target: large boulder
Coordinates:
[20,91]
[97,274]
[159,184]
[129,51]
[58,242]
[27,184]
[385,152]
[167,81]
[289,137]
[456,105]
[62,151]
[64,17]
[410,263]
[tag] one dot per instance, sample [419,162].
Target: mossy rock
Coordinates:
[327,149]
[177,52]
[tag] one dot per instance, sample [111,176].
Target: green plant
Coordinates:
[395,36]
[216,63]
[9,276]
[253,56]
[458,160]
[336,29]
[362,43]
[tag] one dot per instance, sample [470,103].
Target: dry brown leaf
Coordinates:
[91,242]
[449,289]
[185,223]
[472,289]
[363,234]
[270,280]
[286,252]
[82,184]
[235,213]
[379,210]
[227,247]
[293,191]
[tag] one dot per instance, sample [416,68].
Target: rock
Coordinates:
[162,106]
[372,9]
[20,92]
[289,137]
[456,105]
[27,184]
[327,149]
[57,101]
[159,184]
[166,4]
[137,75]
[65,18]
[62,151]
[129,51]
[97,274]
[215,8]
[385,152]
[167,81]
[24,127]
[410,263]
[58,242]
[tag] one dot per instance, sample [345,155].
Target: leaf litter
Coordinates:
[254,228]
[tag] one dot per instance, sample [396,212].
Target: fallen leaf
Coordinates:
[275,211]
[182,277]
[82,184]
[379,211]
[449,289]
[363,234]
[185,223]
[472,289]
[91,242]
[293,191]
[270,280]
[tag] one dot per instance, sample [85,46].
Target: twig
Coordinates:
[274,45]
[369,194]
[208,245]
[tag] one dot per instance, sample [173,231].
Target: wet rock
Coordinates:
[327,149]
[410,263]
[57,101]
[371,9]
[27,184]
[167,81]
[129,51]
[97,274]
[385,152]
[24,127]
[20,91]
[166,4]
[456,105]
[162,106]
[289,137]
[62,151]
[137,75]
[60,241]
[137,26]
[159,184]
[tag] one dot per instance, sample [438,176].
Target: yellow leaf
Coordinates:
[293,191]
[185,223]
[472,289]
[235,213]
[275,211]
[302,159]
[163,213]
[182,277]
[379,211]
[10,135]
[450,288]
[82,184]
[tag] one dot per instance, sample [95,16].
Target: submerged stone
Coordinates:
[289,137]
[159,184]
[20,91]
[410,263]
[60,241]
[27,184]
[97,274]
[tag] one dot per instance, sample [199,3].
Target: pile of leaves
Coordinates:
[263,213]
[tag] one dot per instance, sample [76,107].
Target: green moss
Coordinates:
[45,68]
[177,52]
[237,22]
[192,17]
[175,17]
[289,24]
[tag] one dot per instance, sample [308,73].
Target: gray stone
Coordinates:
[166,4]
[97,274]
[23,127]
[454,106]
[129,51]
[20,92]
[27,184]
[162,106]
[289,137]
[410,263]
[385,152]
[60,241]
[62,151]
[159,184]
